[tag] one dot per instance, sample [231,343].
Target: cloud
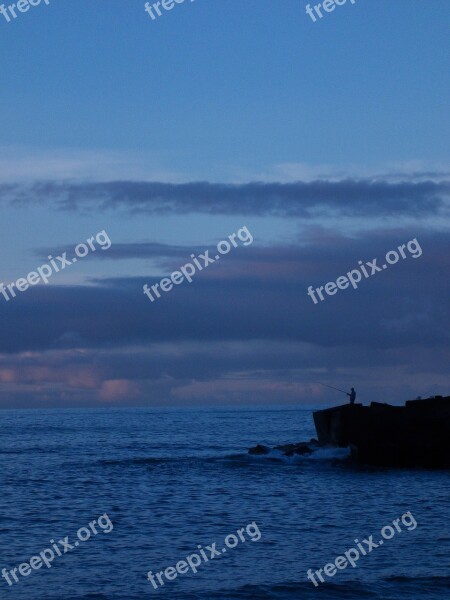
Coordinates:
[20,163]
[115,390]
[245,328]
[223,373]
[349,197]
[30,164]
[257,293]
[127,251]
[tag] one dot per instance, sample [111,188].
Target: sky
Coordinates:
[326,140]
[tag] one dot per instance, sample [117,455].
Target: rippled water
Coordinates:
[171,480]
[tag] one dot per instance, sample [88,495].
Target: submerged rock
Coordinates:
[288,449]
[259,449]
[291,449]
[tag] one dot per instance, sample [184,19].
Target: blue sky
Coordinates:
[222,89]
[344,121]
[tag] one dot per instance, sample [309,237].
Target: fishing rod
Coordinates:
[331,387]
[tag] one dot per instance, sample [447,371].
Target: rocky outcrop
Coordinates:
[287,449]
[414,435]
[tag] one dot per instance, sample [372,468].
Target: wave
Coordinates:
[320,454]
[234,459]
[31,450]
[392,588]
[435,580]
[288,591]
[282,591]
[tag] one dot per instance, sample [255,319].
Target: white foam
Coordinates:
[326,453]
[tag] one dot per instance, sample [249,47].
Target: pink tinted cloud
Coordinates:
[115,390]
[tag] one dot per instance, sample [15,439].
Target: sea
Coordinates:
[172,482]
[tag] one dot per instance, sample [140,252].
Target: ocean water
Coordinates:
[171,480]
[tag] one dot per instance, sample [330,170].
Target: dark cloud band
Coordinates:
[349,197]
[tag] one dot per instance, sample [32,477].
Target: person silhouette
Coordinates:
[352,395]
